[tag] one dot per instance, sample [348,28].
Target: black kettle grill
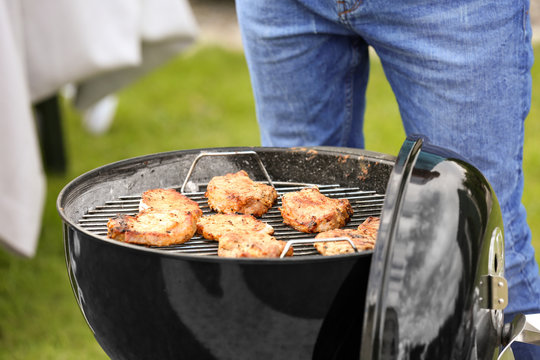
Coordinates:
[433,288]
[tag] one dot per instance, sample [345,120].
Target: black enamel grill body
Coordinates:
[416,296]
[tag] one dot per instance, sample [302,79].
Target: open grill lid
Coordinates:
[439,217]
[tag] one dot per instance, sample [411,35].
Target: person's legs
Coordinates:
[308,74]
[461,75]
[460,72]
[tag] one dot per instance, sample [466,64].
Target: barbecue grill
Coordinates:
[433,288]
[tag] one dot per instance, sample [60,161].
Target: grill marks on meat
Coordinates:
[213,227]
[237,193]
[363,237]
[168,199]
[370,227]
[240,235]
[165,217]
[248,244]
[342,247]
[153,227]
[310,211]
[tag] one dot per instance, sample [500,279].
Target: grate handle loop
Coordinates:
[311,241]
[226,153]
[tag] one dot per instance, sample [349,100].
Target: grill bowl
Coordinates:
[145,302]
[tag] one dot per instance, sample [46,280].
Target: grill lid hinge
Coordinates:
[493,292]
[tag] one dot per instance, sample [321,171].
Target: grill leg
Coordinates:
[49,127]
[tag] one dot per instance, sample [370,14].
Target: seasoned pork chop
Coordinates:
[212,227]
[249,244]
[168,199]
[310,211]
[237,193]
[370,227]
[153,227]
[343,247]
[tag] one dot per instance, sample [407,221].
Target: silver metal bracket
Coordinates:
[493,292]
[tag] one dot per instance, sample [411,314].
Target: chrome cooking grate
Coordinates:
[364,204]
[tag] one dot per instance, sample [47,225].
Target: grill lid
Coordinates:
[423,283]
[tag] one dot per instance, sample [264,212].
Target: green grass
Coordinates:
[531,158]
[201,99]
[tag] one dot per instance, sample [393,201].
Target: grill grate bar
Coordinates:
[128,202]
[107,214]
[364,204]
[208,252]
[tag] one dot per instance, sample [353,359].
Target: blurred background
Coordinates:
[195,94]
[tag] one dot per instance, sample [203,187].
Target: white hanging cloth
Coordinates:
[102,45]
[22,181]
[167,28]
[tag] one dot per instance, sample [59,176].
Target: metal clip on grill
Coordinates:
[292,242]
[225,153]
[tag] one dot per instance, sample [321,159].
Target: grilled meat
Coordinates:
[237,193]
[363,237]
[310,211]
[370,227]
[153,227]
[248,244]
[168,199]
[329,248]
[212,227]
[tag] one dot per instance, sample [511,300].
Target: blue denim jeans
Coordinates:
[460,72]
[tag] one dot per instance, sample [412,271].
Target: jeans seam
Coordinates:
[524,112]
[522,259]
[349,93]
[346,11]
[524,109]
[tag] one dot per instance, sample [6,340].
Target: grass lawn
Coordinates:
[201,99]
